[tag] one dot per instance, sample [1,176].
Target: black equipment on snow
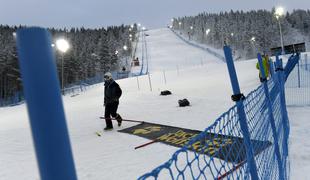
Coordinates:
[165,93]
[183,102]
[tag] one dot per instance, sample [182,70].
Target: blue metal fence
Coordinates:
[258,120]
[71,89]
[83,85]
[210,51]
[16,99]
[297,86]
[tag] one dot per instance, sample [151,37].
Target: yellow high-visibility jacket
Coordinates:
[265,66]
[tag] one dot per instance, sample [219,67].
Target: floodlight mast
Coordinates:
[63,46]
[279,13]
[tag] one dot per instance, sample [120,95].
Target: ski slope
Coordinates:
[190,73]
[169,53]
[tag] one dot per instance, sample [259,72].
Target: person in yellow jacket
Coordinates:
[265,66]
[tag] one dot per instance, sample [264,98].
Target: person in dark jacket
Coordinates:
[112,93]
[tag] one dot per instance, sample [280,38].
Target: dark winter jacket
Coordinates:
[112,92]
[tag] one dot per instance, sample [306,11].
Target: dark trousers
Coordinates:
[110,110]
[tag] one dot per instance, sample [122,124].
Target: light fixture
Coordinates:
[62,45]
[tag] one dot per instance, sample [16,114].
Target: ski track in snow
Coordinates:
[201,78]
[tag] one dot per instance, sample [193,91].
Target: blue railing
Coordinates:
[71,89]
[297,86]
[144,58]
[16,99]
[249,141]
[210,51]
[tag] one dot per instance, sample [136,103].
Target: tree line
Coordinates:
[92,52]
[246,32]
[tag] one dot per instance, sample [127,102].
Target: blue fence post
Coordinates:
[16,98]
[306,61]
[298,74]
[281,75]
[271,118]
[272,69]
[242,116]
[44,104]
[281,80]
[142,58]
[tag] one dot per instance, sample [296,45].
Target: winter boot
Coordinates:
[109,124]
[119,119]
[108,128]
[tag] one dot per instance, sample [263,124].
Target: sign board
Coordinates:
[228,148]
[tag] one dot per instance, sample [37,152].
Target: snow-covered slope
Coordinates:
[201,78]
[165,51]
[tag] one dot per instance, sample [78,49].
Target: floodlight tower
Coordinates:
[279,13]
[62,45]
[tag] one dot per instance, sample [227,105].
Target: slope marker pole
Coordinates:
[145,144]
[128,120]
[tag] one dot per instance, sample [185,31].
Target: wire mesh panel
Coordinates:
[219,152]
[297,87]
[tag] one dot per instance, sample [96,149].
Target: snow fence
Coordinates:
[297,87]
[261,116]
[199,46]
[69,90]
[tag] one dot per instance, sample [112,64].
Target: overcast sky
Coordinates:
[102,13]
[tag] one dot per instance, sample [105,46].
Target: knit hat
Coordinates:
[107,76]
